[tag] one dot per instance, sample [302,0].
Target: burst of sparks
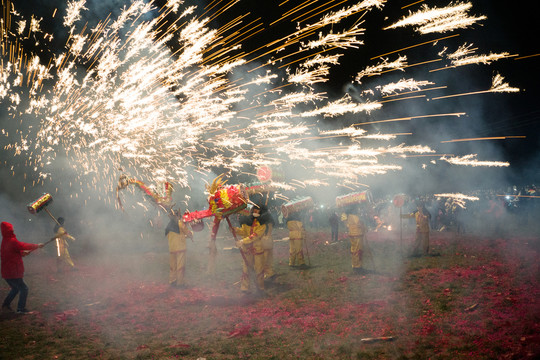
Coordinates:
[383,66]
[458,199]
[465,55]
[73,12]
[343,106]
[498,85]
[439,20]
[120,97]
[470,160]
[408,84]
[458,196]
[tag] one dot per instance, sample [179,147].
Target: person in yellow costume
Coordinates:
[63,259]
[251,232]
[297,236]
[176,232]
[423,218]
[357,232]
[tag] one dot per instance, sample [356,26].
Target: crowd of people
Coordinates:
[476,211]
[490,212]
[484,211]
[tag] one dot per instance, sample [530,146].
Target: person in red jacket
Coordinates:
[11,253]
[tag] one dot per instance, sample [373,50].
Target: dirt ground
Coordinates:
[475,297]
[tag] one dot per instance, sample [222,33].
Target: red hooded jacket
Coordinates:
[10,253]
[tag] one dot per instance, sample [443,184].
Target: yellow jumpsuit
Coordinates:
[177,253]
[357,233]
[297,235]
[62,246]
[422,232]
[252,254]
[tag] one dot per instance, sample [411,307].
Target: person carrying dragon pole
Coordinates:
[61,236]
[423,218]
[251,248]
[297,236]
[357,232]
[176,233]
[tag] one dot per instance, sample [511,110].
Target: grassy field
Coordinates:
[476,298]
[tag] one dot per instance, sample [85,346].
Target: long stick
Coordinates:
[47,242]
[307,251]
[231,228]
[51,215]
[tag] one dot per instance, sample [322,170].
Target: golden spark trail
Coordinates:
[425,155]
[317,13]
[521,196]
[526,57]
[485,138]
[469,160]
[404,98]
[415,91]
[414,3]
[409,118]
[292,11]
[444,19]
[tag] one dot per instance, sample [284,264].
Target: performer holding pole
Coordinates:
[357,234]
[251,248]
[176,233]
[421,242]
[62,254]
[297,232]
[61,236]
[12,251]
[297,236]
[356,227]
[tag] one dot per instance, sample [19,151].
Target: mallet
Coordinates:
[41,204]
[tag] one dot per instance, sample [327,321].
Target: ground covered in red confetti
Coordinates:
[474,298]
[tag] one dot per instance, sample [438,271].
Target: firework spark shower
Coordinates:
[170,91]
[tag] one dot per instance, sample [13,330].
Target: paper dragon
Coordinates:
[224,200]
[164,201]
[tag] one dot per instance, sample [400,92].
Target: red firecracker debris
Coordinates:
[180,345]
[63,316]
[240,331]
